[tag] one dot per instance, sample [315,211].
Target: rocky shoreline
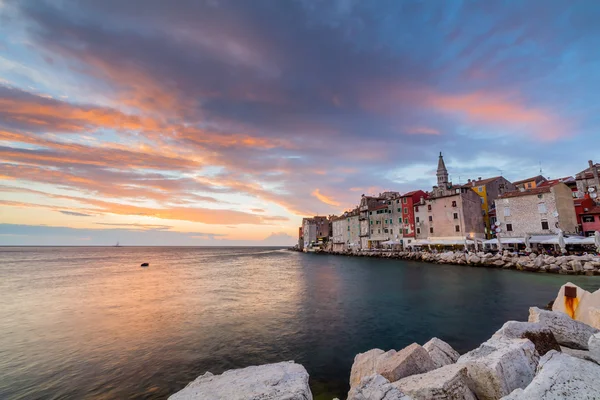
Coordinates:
[567,265]
[551,356]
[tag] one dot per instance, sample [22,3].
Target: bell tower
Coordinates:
[442,173]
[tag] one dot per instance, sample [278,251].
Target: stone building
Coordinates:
[375,219]
[450,214]
[588,182]
[540,211]
[488,190]
[315,230]
[529,183]
[346,231]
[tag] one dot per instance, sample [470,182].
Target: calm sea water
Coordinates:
[90,323]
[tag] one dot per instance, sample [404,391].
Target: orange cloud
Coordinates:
[422,130]
[325,199]
[493,108]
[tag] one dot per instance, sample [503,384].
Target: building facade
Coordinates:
[406,208]
[588,182]
[540,211]
[489,190]
[346,231]
[590,221]
[529,183]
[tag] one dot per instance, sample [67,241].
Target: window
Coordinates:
[529,186]
[399,220]
[378,230]
[542,208]
[397,201]
[404,199]
[386,221]
[417,209]
[430,218]
[406,231]
[371,222]
[428,207]
[348,229]
[508,227]
[418,231]
[454,203]
[507,211]
[480,189]
[399,209]
[405,210]
[377,222]
[431,230]
[545,225]
[371,231]
[482,200]
[417,219]
[540,196]
[406,220]
[385,231]
[588,218]
[455,215]
[457,228]
[391,231]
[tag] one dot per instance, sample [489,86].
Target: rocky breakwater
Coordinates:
[569,265]
[550,356]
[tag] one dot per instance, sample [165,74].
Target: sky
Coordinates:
[225,122]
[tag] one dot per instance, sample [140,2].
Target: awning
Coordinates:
[442,242]
[391,242]
[568,240]
[506,241]
[541,238]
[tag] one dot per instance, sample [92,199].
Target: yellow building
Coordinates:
[489,189]
[529,183]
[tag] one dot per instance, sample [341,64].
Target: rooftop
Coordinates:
[593,210]
[480,182]
[535,178]
[552,182]
[529,192]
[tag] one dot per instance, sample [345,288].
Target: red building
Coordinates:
[408,201]
[582,206]
[590,221]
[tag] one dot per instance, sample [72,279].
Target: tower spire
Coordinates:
[442,172]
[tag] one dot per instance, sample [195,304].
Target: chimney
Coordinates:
[469,181]
[479,178]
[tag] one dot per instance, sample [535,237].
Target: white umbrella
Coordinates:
[597,241]
[561,242]
[527,244]
[499,242]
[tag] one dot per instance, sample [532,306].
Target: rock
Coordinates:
[498,263]
[576,265]
[550,260]
[561,376]
[594,315]
[474,259]
[582,354]
[561,260]
[579,307]
[411,360]
[445,383]
[567,331]
[284,380]
[500,366]
[594,344]
[441,352]
[553,268]
[365,364]
[376,387]
[532,256]
[539,262]
[542,338]
[588,266]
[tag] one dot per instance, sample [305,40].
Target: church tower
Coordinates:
[442,173]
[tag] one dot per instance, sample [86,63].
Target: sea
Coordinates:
[90,323]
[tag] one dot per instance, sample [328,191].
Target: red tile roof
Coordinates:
[480,182]
[552,182]
[529,192]
[593,210]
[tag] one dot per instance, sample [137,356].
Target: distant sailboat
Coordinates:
[117,245]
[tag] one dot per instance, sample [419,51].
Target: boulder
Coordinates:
[588,266]
[284,380]
[594,344]
[576,265]
[473,259]
[549,260]
[553,268]
[498,263]
[446,383]
[539,262]
[366,363]
[411,360]
[582,354]
[375,387]
[542,338]
[561,376]
[441,352]
[567,331]
[500,366]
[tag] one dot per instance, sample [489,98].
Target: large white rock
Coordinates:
[441,352]
[567,331]
[364,365]
[583,354]
[411,360]
[500,366]
[450,382]
[376,387]
[542,337]
[560,376]
[284,380]
[577,308]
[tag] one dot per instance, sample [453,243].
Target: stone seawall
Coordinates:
[568,265]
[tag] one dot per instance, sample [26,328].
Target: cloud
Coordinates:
[75,214]
[257,210]
[325,199]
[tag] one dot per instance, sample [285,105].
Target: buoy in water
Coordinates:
[145,265]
